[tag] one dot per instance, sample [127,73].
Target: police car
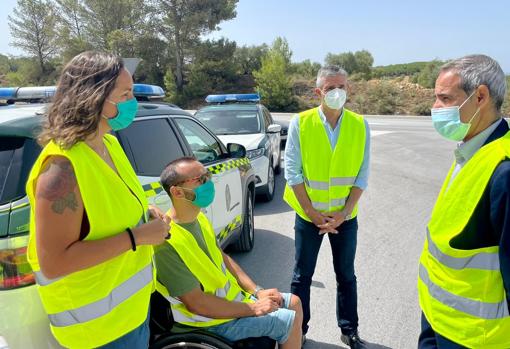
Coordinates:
[240,118]
[159,134]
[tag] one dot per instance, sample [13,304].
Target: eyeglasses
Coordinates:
[201,179]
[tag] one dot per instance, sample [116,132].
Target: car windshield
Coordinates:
[229,122]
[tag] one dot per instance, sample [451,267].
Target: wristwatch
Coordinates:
[257,289]
[348,216]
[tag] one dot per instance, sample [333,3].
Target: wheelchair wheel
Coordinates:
[189,341]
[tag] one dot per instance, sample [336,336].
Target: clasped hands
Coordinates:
[327,221]
[267,301]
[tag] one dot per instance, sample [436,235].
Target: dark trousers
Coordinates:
[343,245]
[429,339]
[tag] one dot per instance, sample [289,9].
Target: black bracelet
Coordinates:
[132,238]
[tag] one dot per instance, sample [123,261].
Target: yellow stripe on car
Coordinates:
[236,222]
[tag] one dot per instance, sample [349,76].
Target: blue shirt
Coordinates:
[293,162]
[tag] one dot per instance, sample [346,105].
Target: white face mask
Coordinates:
[335,99]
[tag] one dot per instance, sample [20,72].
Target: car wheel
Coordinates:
[190,340]
[247,236]
[267,193]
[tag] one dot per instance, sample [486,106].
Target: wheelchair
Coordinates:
[167,334]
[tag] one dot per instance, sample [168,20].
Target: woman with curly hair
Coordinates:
[90,230]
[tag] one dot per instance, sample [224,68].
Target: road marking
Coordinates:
[378,133]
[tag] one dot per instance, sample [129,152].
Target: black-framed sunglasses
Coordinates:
[201,179]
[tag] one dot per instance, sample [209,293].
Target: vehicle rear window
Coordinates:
[17,155]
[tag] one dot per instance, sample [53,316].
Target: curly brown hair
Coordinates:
[85,83]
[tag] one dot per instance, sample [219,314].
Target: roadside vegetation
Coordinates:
[170,38]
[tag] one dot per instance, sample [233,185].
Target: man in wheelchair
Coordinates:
[205,287]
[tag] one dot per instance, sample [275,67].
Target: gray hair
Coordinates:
[327,71]
[476,70]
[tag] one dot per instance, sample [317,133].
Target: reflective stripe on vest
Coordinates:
[324,205]
[479,309]
[222,292]
[182,318]
[483,260]
[103,306]
[323,185]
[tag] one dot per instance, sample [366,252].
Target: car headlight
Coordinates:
[255,153]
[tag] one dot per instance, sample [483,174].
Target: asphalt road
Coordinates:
[409,161]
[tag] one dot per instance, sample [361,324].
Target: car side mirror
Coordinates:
[274,128]
[236,150]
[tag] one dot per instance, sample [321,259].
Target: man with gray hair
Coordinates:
[464,271]
[326,168]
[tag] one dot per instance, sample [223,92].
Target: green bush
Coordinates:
[274,84]
[359,62]
[382,98]
[427,77]
[398,69]
[306,69]
[421,109]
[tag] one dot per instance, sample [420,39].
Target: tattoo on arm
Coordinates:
[57,183]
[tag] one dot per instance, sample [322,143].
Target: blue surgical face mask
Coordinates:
[447,122]
[125,115]
[204,194]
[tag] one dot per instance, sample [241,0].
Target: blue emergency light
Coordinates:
[46,92]
[149,91]
[8,92]
[27,93]
[238,97]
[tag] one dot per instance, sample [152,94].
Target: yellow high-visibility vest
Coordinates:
[329,174]
[97,305]
[213,274]
[461,291]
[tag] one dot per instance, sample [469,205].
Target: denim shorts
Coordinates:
[136,339]
[276,325]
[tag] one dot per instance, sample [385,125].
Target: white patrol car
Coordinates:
[159,134]
[240,118]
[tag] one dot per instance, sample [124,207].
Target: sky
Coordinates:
[399,31]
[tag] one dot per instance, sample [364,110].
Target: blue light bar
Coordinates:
[36,92]
[239,97]
[46,92]
[8,92]
[150,91]
[27,93]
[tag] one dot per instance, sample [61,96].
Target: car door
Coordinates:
[227,205]
[274,138]
[150,144]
